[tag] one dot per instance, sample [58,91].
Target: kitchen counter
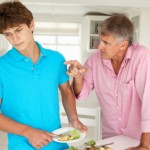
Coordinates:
[120,142]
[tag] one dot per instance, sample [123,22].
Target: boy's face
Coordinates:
[20,36]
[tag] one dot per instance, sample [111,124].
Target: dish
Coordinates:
[67,129]
[91,145]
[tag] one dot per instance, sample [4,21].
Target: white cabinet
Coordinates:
[4,45]
[134,16]
[144,25]
[93,28]
[135,21]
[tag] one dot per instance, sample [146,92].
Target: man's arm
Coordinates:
[69,104]
[37,138]
[142,82]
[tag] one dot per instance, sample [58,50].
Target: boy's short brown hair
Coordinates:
[14,13]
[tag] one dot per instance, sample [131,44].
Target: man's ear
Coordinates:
[124,45]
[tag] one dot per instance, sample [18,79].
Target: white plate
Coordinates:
[65,129]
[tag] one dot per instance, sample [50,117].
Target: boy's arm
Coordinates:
[37,138]
[69,104]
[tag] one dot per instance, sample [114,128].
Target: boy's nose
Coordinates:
[14,37]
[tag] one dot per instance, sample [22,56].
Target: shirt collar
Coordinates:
[42,50]
[129,52]
[18,56]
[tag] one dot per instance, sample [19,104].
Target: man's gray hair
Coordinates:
[118,26]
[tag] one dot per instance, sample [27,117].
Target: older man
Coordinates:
[120,74]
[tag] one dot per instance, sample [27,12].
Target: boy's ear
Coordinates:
[32,25]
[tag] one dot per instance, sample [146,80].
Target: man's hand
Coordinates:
[38,138]
[138,148]
[144,143]
[78,125]
[75,69]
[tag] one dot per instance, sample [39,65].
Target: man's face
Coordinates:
[20,36]
[109,47]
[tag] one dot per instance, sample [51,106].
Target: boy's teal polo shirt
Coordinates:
[29,93]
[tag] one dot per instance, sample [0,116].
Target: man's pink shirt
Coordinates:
[124,98]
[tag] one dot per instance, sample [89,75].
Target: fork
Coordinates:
[64,133]
[104,145]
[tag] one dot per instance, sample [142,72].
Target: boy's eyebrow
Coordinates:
[5,32]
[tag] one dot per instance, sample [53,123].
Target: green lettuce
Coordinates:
[75,134]
[72,148]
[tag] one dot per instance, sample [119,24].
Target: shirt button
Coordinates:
[122,129]
[117,108]
[119,119]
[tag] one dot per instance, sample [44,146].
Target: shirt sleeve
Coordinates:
[1,95]
[63,69]
[88,84]
[142,81]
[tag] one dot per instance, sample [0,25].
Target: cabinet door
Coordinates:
[135,16]
[93,29]
[135,21]
[4,45]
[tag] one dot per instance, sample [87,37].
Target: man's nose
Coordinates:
[101,45]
